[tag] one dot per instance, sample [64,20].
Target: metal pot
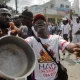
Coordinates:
[17,59]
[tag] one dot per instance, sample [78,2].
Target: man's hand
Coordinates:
[77,50]
[15,30]
[74,48]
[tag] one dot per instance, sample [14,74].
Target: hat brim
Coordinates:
[39,16]
[22,16]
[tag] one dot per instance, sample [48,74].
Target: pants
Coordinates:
[76,38]
[65,36]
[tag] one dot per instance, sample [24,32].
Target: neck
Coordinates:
[44,36]
[29,25]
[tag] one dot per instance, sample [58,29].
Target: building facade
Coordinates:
[54,10]
[75,7]
[62,5]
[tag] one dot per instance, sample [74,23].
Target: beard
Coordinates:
[4,24]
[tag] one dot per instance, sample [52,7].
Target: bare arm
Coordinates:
[74,48]
[71,47]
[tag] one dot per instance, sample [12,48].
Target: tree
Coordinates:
[4,1]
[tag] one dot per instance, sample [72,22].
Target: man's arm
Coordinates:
[15,30]
[70,47]
[73,48]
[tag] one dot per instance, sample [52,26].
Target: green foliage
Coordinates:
[73,13]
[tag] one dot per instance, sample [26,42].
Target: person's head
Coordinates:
[65,21]
[4,19]
[40,24]
[17,21]
[27,18]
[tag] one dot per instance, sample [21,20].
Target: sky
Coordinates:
[23,3]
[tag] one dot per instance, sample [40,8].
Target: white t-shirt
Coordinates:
[65,29]
[46,68]
[49,27]
[75,28]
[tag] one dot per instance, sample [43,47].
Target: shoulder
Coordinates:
[62,26]
[29,39]
[55,36]
[23,27]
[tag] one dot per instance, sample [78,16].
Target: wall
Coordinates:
[64,2]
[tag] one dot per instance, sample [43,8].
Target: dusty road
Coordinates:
[72,67]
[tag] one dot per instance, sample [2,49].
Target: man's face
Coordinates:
[4,20]
[4,17]
[26,21]
[65,22]
[17,22]
[4,23]
[40,26]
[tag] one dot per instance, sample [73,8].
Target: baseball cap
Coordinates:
[4,10]
[64,18]
[27,14]
[38,16]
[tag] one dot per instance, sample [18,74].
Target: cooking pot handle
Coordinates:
[21,78]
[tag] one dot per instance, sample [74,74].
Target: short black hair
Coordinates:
[27,14]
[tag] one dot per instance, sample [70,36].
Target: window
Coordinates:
[67,6]
[52,6]
[61,5]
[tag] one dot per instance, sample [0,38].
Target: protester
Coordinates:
[26,19]
[5,24]
[17,21]
[26,29]
[46,68]
[65,31]
[57,28]
[76,35]
[50,28]
[4,20]
[53,29]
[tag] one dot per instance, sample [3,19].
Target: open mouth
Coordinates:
[41,30]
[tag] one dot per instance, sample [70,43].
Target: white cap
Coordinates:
[64,18]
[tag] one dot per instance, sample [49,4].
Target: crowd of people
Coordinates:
[30,27]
